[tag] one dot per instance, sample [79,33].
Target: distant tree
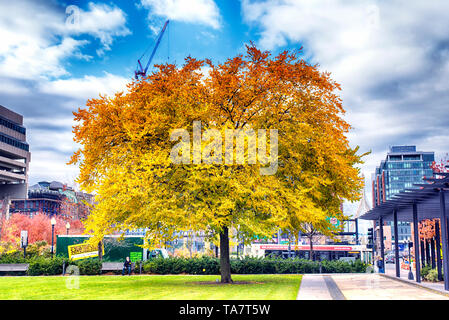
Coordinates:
[427,229]
[440,166]
[38,227]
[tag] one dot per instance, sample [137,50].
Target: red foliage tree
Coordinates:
[441,165]
[426,229]
[38,227]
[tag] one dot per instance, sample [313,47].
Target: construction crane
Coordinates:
[140,71]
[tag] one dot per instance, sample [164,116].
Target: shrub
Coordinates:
[34,250]
[43,266]
[432,275]
[425,271]
[12,256]
[88,266]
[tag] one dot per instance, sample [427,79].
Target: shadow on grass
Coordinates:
[218,283]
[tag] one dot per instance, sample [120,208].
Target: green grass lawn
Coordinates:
[151,287]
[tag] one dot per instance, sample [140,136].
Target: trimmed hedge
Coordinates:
[202,265]
[45,267]
[48,266]
[88,266]
[248,265]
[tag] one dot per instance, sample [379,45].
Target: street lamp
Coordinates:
[53,222]
[67,226]
[410,273]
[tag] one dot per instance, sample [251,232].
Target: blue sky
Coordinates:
[182,38]
[391,58]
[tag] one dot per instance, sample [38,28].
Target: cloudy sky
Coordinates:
[391,58]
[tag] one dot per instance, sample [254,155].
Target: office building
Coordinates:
[15,155]
[403,167]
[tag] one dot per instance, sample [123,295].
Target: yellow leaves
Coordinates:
[125,149]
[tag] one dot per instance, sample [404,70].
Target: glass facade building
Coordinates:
[403,167]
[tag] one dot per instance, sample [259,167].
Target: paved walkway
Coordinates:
[390,271]
[362,286]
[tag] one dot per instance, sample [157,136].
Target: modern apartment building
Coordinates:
[15,155]
[53,198]
[402,167]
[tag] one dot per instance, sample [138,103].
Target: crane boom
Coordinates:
[140,70]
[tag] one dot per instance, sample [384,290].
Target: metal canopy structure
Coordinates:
[426,197]
[425,201]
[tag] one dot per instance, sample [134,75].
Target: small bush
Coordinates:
[425,271]
[88,266]
[13,256]
[46,267]
[432,275]
[34,250]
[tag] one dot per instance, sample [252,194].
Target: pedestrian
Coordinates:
[380,265]
[126,266]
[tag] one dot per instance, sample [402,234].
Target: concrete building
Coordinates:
[15,157]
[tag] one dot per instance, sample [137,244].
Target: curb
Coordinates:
[414,284]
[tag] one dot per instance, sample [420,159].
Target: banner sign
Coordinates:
[82,251]
[307,247]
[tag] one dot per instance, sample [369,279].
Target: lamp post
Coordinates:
[410,273]
[67,227]
[53,222]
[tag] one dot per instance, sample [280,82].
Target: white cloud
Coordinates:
[101,21]
[36,42]
[389,56]
[86,87]
[51,166]
[36,39]
[203,12]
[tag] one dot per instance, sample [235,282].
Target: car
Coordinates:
[389,259]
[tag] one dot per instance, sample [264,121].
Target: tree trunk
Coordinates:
[100,251]
[432,252]
[311,249]
[423,253]
[225,263]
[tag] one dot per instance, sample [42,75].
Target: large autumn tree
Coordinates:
[126,154]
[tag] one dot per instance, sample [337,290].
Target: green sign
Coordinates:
[135,256]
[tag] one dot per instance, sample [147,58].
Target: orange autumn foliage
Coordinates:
[426,229]
[38,227]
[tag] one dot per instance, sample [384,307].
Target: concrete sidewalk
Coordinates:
[361,286]
[390,272]
[313,287]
